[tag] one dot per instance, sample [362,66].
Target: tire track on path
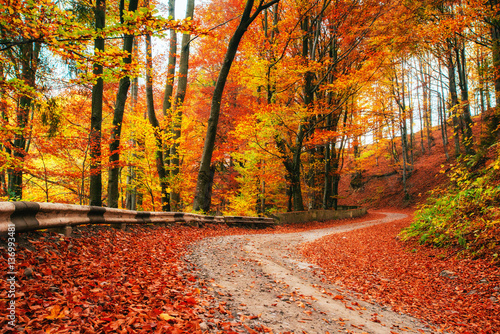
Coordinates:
[260,281]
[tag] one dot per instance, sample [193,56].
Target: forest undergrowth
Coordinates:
[464,213]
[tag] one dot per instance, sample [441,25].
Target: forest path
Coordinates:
[260,282]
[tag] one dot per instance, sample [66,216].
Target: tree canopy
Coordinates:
[270,105]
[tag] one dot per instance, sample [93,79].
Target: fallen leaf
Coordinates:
[55,313]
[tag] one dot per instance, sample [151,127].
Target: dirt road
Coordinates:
[260,282]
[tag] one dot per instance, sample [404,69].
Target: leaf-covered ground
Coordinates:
[458,295]
[106,280]
[109,281]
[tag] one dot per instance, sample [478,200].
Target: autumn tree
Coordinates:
[206,173]
[27,28]
[333,35]
[182,86]
[160,164]
[95,192]
[492,18]
[169,88]
[121,98]
[400,93]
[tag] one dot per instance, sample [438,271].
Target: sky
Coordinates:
[180,8]
[161,44]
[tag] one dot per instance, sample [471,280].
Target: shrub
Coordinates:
[464,214]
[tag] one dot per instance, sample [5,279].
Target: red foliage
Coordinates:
[459,295]
[106,281]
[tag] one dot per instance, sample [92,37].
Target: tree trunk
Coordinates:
[95,194]
[203,195]
[412,134]
[427,106]
[3,147]
[444,128]
[329,163]
[332,178]
[160,166]
[357,176]
[19,152]
[131,193]
[327,182]
[400,98]
[169,85]
[335,189]
[314,177]
[330,199]
[481,78]
[337,165]
[420,118]
[452,86]
[494,118]
[291,159]
[464,92]
[307,54]
[404,145]
[121,99]
[404,140]
[29,63]
[442,121]
[295,186]
[177,117]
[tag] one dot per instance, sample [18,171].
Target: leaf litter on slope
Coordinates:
[106,281]
[459,295]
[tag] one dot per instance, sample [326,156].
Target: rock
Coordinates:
[448,274]
[28,272]
[54,288]
[203,326]
[483,280]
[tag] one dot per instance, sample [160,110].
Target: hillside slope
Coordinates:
[382,185]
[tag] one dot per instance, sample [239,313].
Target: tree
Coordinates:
[169,85]
[206,172]
[178,105]
[121,98]
[60,38]
[399,91]
[29,53]
[492,18]
[96,118]
[160,165]
[131,190]
[340,36]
